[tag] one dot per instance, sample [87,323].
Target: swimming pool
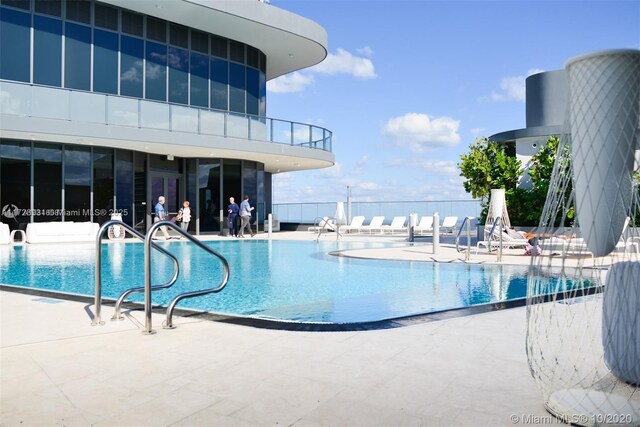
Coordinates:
[284,280]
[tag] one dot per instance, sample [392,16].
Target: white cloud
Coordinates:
[419,132]
[343,62]
[435,167]
[476,132]
[511,88]
[289,83]
[366,51]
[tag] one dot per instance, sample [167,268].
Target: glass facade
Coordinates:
[69,182]
[84,45]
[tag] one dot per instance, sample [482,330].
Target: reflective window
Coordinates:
[77,183]
[47,182]
[15,176]
[219,83]
[236,51]
[77,56]
[156,71]
[250,181]
[263,94]
[47,51]
[105,61]
[253,91]
[263,62]
[102,184]
[124,185]
[253,57]
[106,17]
[79,11]
[199,41]
[14,44]
[157,29]
[209,194]
[132,51]
[20,4]
[131,23]
[219,47]
[236,87]
[178,75]
[49,7]
[140,191]
[199,80]
[179,35]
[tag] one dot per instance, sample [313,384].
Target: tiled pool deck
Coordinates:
[57,369]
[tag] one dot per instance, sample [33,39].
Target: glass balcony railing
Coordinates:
[29,100]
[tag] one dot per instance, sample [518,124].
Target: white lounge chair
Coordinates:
[374,226]
[424,226]
[510,239]
[323,224]
[449,224]
[396,226]
[354,226]
[4,234]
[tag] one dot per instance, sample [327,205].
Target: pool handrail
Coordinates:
[467,221]
[326,223]
[147,275]
[98,270]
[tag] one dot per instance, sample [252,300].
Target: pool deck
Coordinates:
[57,369]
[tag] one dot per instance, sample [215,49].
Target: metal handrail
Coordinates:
[327,223]
[497,220]
[147,275]
[466,220]
[98,270]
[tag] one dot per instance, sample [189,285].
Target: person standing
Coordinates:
[161,215]
[232,220]
[184,215]
[245,216]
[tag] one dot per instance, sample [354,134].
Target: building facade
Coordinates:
[106,105]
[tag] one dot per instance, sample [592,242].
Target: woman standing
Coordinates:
[184,215]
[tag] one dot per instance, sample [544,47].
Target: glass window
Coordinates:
[157,29]
[263,62]
[15,175]
[77,57]
[161,163]
[219,47]
[253,91]
[102,184]
[178,75]
[132,23]
[47,51]
[263,94]
[20,4]
[132,51]
[15,35]
[253,57]
[47,182]
[209,194]
[140,191]
[250,181]
[124,185]
[236,50]
[199,80]
[105,61]
[236,87]
[179,35]
[77,183]
[219,83]
[49,7]
[106,17]
[156,72]
[79,11]
[199,41]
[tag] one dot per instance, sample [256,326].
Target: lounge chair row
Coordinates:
[398,225]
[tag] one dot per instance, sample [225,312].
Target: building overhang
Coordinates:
[289,41]
[276,157]
[530,132]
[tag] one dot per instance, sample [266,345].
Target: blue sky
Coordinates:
[408,86]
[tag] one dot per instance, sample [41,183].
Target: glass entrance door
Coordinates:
[169,187]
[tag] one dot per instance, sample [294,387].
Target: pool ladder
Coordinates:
[467,221]
[147,289]
[326,223]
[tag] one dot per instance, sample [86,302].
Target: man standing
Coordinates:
[233,209]
[161,215]
[245,216]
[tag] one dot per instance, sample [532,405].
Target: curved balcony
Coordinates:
[203,132]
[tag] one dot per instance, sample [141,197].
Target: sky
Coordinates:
[408,86]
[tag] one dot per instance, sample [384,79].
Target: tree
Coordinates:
[488,166]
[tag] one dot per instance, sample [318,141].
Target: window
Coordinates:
[156,29]
[219,83]
[236,50]
[219,47]
[132,51]
[79,11]
[253,56]
[14,45]
[156,72]
[131,23]
[124,185]
[105,61]
[199,41]
[20,4]
[77,183]
[47,182]
[178,75]
[199,80]
[77,57]
[106,17]
[15,175]
[179,35]
[47,54]
[236,87]
[49,7]
[253,91]
[102,183]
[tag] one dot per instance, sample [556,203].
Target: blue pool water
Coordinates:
[286,280]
